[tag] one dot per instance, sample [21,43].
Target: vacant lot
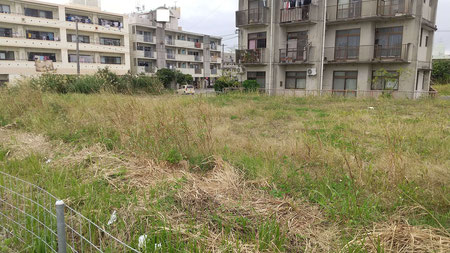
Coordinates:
[241,173]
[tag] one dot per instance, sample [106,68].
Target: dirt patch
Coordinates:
[22,144]
[223,191]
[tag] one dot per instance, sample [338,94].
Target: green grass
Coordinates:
[357,165]
[443,89]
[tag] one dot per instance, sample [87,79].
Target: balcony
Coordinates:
[367,54]
[198,71]
[395,8]
[297,14]
[251,56]
[145,70]
[252,17]
[369,9]
[171,56]
[294,56]
[198,58]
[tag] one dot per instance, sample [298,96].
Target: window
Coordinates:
[296,80]
[6,55]
[82,38]
[388,42]
[38,13]
[349,9]
[345,82]
[5,32]
[347,44]
[4,78]
[5,8]
[260,77]
[386,80]
[110,42]
[109,23]
[82,19]
[83,58]
[36,35]
[110,60]
[42,56]
[256,40]
[296,46]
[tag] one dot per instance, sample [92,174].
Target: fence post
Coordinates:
[61,226]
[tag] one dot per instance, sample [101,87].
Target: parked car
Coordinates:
[186,90]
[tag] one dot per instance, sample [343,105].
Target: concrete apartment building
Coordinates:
[361,48]
[31,30]
[155,46]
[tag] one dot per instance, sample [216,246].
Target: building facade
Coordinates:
[156,46]
[31,30]
[344,47]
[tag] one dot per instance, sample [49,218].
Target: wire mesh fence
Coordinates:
[39,220]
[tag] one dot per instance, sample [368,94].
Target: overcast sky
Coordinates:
[216,17]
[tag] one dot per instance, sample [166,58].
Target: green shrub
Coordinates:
[146,84]
[166,76]
[53,83]
[441,71]
[250,85]
[225,82]
[111,81]
[85,85]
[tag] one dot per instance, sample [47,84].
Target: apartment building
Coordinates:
[344,47]
[155,46]
[32,30]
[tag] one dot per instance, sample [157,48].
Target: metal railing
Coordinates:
[293,55]
[250,56]
[370,9]
[36,218]
[198,71]
[339,93]
[149,54]
[256,16]
[296,14]
[368,53]
[171,56]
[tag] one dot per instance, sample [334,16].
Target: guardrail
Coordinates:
[37,218]
[338,93]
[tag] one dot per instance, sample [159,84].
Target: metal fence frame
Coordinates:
[34,216]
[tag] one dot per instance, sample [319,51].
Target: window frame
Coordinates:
[110,42]
[103,60]
[37,13]
[345,77]
[2,8]
[6,53]
[80,37]
[383,80]
[52,56]
[297,75]
[255,75]
[81,56]
[347,34]
[5,32]
[260,39]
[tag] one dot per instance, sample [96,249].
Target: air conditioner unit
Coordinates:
[312,72]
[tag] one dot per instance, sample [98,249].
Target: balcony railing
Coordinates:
[369,9]
[250,56]
[296,14]
[349,10]
[198,71]
[171,56]
[197,58]
[149,54]
[369,53]
[257,16]
[170,42]
[393,8]
[213,71]
[293,55]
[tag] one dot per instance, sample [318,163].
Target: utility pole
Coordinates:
[78,47]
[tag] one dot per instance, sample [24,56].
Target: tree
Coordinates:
[189,79]
[166,76]
[441,71]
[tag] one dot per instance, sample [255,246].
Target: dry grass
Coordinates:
[251,173]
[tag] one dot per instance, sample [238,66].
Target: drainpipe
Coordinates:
[322,56]
[272,46]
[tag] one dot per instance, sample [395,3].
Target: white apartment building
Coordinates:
[31,30]
[155,46]
[346,47]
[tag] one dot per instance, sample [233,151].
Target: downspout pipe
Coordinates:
[272,84]
[322,56]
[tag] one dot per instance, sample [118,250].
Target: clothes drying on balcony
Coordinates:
[289,4]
